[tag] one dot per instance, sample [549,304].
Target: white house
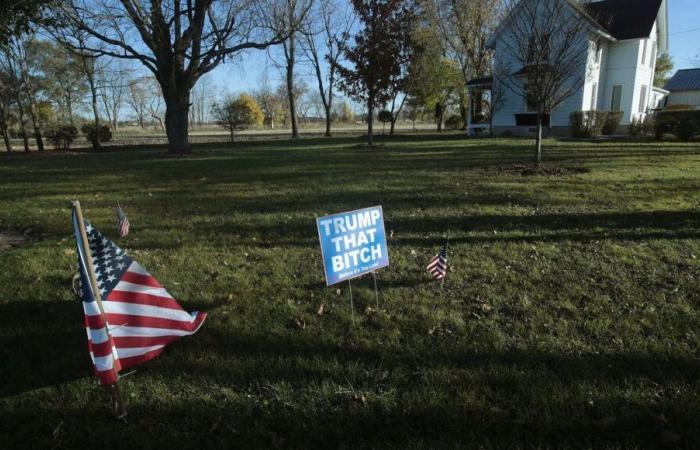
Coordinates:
[622,40]
[684,89]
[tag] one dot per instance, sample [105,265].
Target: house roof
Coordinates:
[625,19]
[684,80]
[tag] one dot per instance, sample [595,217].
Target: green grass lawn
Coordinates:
[571,317]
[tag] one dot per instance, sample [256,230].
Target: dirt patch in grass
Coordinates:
[545,170]
[12,239]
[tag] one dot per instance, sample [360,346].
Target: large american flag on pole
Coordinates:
[140,317]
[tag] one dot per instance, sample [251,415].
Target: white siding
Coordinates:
[595,72]
[621,64]
[621,69]
[691,98]
[513,104]
[625,67]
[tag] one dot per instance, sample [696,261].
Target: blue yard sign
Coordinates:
[352,243]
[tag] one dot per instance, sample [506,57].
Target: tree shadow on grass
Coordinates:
[42,343]
[501,399]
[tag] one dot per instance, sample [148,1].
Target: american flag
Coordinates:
[438,265]
[140,317]
[122,222]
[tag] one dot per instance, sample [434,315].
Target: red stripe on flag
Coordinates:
[137,278]
[143,341]
[136,360]
[140,298]
[101,349]
[95,322]
[107,377]
[154,322]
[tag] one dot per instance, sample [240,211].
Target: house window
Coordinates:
[644,51]
[642,99]
[616,100]
[594,96]
[652,59]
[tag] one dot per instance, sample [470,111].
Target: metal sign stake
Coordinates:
[352,306]
[376,293]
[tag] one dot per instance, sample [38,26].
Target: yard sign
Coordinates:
[352,243]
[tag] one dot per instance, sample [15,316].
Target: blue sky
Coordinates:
[684,32]
[245,72]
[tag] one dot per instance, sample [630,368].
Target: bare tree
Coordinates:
[299,90]
[153,105]
[542,59]
[202,101]
[270,103]
[304,105]
[464,27]
[177,40]
[112,90]
[76,40]
[16,59]
[137,98]
[295,13]
[327,32]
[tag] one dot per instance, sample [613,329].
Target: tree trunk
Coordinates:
[3,129]
[69,106]
[328,121]
[538,141]
[6,138]
[464,108]
[329,103]
[177,105]
[97,141]
[38,136]
[370,120]
[439,112]
[290,85]
[22,122]
[393,126]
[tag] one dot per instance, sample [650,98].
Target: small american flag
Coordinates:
[137,317]
[438,265]
[122,222]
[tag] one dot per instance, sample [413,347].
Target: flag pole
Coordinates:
[447,268]
[117,404]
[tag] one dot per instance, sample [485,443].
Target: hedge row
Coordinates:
[684,124]
[586,124]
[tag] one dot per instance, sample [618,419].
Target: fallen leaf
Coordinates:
[360,398]
[321,309]
[300,323]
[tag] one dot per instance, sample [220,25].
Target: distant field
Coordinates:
[570,318]
[153,135]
